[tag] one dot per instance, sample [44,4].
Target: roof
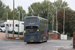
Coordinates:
[36,16]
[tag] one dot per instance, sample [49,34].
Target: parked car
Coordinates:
[55,31]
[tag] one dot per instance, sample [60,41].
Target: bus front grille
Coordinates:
[31,29]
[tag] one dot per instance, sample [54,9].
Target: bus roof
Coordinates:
[36,16]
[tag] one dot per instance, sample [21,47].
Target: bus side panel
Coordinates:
[43,29]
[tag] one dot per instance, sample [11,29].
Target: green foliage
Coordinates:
[22,12]
[46,9]
[6,13]
[69,20]
[69,38]
[69,34]
[1,9]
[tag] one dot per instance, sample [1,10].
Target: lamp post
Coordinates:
[13,19]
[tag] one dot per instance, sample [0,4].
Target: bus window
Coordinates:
[31,19]
[31,29]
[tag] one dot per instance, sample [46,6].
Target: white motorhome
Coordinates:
[18,26]
[2,27]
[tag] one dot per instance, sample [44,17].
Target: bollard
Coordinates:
[74,40]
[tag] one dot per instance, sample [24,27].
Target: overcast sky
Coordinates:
[26,3]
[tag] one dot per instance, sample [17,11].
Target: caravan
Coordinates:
[18,26]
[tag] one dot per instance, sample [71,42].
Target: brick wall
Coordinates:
[54,36]
[74,40]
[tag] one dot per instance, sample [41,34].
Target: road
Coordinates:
[21,45]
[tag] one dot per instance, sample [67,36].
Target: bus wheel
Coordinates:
[46,39]
[41,40]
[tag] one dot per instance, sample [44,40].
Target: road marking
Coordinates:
[63,46]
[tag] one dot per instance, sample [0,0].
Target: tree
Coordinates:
[6,13]
[69,20]
[22,12]
[1,9]
[46,9]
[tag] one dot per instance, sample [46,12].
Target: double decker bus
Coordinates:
[35,29]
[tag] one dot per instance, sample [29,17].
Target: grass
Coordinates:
[69,38]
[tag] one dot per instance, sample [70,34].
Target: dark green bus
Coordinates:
[35,29]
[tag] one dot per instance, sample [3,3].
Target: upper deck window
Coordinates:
[31,19]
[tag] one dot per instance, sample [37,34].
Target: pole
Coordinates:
[7,15]
[22,16]
[52,24]
[48,12]
[13,19]
[64,22]
[19,24]
[56,20]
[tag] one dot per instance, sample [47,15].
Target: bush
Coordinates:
[69,34]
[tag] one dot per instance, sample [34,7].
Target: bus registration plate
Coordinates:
[31,40]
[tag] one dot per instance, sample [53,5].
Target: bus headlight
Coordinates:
[24,31]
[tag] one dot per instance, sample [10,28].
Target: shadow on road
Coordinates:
[35,42]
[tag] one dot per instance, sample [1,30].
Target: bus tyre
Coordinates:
[41,40]
[46,39]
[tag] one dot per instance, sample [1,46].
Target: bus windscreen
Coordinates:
[31,19]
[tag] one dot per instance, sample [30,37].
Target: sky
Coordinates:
[26,3]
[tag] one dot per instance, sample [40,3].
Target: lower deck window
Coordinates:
[31,29]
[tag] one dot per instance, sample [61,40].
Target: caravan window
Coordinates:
[17,25]
[3,25]
[7,25]
[10,25]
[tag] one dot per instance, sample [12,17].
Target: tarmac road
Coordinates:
[21,45]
